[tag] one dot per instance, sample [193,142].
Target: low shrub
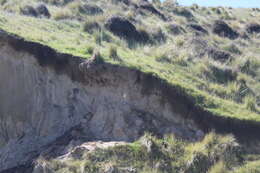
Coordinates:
[97,58]
[90,50]
[91,26]
[233,91]
[144,36]
[175,29]
[181,60]
[113,53]
[219,73]
[233,49]
[101,36]
[250,103]
[158,36]
[180,41]
[212,150]
[250,66]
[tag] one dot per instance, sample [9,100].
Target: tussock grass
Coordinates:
[250,167]
[227,89]
[203,79]
[151,154]
[62,14]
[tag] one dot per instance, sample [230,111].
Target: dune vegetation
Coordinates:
[211,55]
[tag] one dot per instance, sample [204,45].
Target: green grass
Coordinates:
[168,154]
[174,62]
[170,60]
[69,37]
[250,167]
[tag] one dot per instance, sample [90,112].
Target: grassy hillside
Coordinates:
[224,81]
[210,54]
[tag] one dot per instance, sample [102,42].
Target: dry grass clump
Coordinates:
[62,14]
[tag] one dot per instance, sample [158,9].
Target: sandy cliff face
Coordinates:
[43,95]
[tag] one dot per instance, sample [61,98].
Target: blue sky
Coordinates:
[231,3]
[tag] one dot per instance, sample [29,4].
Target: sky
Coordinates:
[229,3]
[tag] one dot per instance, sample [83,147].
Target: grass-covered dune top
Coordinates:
[212,54]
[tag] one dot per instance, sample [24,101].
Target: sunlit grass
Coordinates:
[67,36]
